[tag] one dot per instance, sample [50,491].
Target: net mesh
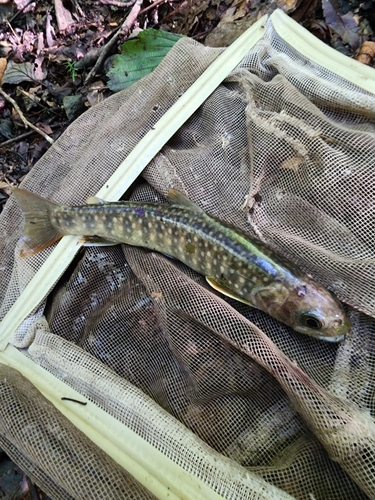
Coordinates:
[284,149]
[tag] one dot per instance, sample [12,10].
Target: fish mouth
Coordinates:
[333,340]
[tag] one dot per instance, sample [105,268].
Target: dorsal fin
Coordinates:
[177,198]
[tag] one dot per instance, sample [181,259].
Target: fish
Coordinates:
[234,263]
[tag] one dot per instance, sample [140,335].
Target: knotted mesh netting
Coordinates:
[284,149]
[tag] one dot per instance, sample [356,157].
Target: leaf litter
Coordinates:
[57,60]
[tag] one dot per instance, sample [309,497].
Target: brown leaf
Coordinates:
[344,26]
[40,73]
[44,128]
[50,32]
[3,65]
[95,94]
[63,16]
[291,3]
[22,4]
[367,53]
[6,187]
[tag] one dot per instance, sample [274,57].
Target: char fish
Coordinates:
[235,263]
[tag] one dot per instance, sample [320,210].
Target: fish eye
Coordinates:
[311,321]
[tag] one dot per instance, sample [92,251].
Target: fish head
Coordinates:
[319,313]
[307,307]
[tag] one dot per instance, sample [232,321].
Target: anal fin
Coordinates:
[97,241]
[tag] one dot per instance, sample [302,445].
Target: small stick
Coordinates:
[117,3]
[24,120]
[123,31]
[32,490]
[156,3]
[83,403]
[27,134]
[19,11]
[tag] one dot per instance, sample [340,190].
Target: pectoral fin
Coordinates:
[222,287]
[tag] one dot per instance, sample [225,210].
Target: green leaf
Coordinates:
[139,57]
[6,128]
[17,73]
[73,105]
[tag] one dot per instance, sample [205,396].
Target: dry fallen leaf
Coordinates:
[344,26]
[63,16]
[6,187]
[44,128]
[40,73]
[3,65]
[367,53]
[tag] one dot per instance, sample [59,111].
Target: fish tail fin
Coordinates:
[39,232]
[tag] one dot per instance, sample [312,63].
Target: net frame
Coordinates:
[52,388]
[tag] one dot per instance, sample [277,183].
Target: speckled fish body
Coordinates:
[233,262]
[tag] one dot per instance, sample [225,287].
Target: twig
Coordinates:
[24,120]
[154,4]
[117,3]
[27,134]
[123,31]
[32,490]
[19,11]
[13,32]
[35,101]
[175,11]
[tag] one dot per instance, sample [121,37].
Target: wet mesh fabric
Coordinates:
[283,149]
[48,446]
